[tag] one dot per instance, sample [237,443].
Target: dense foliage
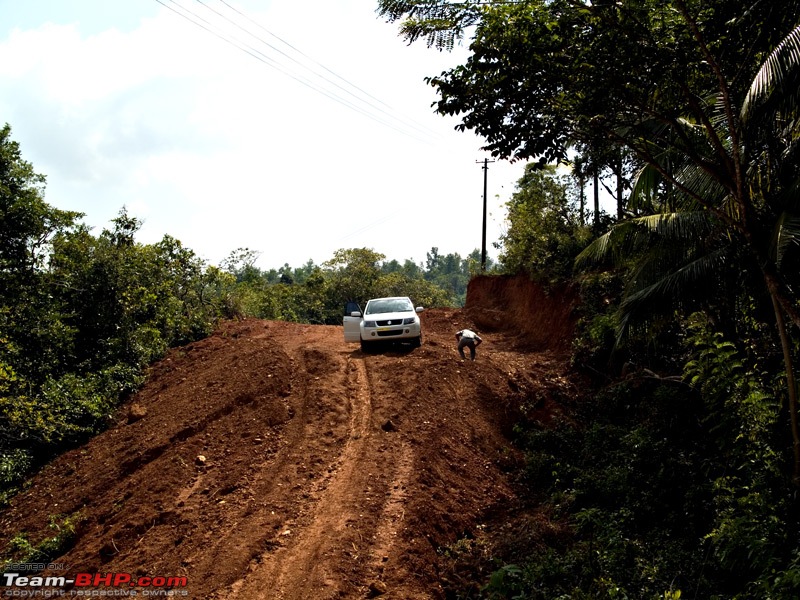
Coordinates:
[318,293]
[81,316]
[678,475]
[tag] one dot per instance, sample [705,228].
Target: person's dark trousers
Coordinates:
[466,342]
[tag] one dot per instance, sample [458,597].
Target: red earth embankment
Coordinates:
[542,319]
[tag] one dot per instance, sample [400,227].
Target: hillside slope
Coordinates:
[272,460]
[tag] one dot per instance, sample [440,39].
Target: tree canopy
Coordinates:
[545,231]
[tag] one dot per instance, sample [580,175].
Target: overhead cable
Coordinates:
[272,61]
[301,53]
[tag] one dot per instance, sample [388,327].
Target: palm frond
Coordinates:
[777,78]
[668,292]
[698,184]
[598,251]
[626,238]
[787,234]
[644,189]
[681,227]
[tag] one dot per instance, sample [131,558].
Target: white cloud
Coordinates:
[219,150]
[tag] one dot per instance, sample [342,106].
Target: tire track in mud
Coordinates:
[261,491]
[393,513]
[306,563]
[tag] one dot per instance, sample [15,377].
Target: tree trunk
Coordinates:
[596,176]
[618,173]
[791,387]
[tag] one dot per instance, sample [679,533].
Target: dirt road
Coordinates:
[272,460]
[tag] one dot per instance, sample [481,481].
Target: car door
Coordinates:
[352,329]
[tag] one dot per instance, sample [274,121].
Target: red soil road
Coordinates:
[328,473]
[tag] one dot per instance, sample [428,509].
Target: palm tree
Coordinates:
[724,206]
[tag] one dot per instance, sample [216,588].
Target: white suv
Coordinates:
[383,320]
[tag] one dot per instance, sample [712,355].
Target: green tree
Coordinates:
[354,274]
[647,76]
[32,333]
[358,274]
[545,233]
[81,316]
[302,274]
[704,94]
[711,244]
[241,264]
[27,223]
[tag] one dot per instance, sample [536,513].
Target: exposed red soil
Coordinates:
[328,473]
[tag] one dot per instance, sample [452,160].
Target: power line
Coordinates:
[278,50]
[368,226]
[304,55]
[256,53]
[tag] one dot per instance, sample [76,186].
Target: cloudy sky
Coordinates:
[287,127]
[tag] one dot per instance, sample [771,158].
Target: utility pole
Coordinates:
[485,168]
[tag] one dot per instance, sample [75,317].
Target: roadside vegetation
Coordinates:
[677,475]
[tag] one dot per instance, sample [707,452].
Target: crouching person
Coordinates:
[468,339]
